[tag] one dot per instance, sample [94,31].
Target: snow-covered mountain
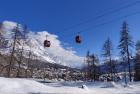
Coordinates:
[55,54]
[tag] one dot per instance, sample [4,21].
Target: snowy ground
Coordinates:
[24,86]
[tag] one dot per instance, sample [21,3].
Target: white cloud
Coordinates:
[67,56]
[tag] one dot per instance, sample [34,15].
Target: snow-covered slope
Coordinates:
[55,54]
[24,86]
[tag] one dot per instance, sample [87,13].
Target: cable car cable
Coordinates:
[107,22]
[103,15]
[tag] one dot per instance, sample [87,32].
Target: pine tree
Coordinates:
[137,65]
[107,53]
[124,44]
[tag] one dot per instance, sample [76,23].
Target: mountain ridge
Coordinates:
[34,43]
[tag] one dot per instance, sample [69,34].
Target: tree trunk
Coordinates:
[129,67]
[12,54]
[19,62]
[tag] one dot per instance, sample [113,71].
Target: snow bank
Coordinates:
[21,86]
[24,86]
[109,85]
[28,86]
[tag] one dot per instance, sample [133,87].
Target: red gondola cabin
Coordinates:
[47,43]
[78,39]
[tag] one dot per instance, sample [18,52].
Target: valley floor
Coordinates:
[30,86]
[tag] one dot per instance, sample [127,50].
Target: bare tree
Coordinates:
[87,69]
[21,49]
[107,53]
[17,36]
[15,30]
[94,67]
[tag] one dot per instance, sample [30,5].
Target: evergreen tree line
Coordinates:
[125,47]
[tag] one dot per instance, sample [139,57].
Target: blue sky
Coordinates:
[62,16]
